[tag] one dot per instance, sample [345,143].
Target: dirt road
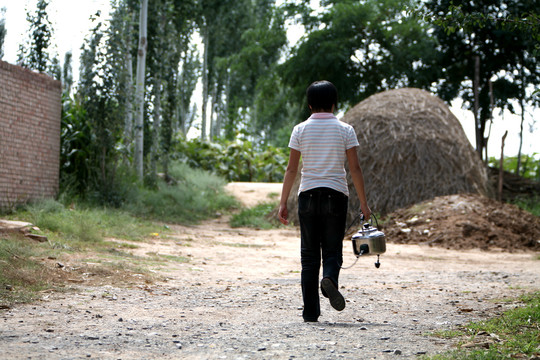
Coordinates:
[239,298]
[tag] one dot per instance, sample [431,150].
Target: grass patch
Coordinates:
[514,334]
[240,245]
[194,195]
[80,227]
[174,258]
[256,217]
[22,275]
[273,195]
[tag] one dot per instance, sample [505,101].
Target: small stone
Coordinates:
[397,352]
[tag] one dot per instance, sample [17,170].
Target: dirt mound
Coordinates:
[464,222]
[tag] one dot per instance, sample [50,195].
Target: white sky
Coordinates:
[70,19]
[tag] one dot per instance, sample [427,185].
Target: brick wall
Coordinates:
[30,112]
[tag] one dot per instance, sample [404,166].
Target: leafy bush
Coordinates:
[238,160]
[530,165]
[90,154]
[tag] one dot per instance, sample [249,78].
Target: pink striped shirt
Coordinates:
[322,140]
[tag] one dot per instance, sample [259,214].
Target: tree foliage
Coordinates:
[236,160]
[503,37]
[35,52]
[363,48]
[3,31]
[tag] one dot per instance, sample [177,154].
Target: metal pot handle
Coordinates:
[370,221]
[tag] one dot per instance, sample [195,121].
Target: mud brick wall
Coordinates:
[30,112]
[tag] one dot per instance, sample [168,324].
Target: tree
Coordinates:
[221,25]
[241,42]
[483,42]
[98,96]
[363,48]
[67,73]
[34,54]
[185,87]
[140,90]
[121,50]
[3,31]
[170,26]
[251,64]
[209,12]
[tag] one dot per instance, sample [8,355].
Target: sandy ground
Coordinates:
[239,298]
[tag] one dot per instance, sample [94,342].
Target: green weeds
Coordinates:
[514,334]
[530,204]
[256,217]
[192,196]
[79,227]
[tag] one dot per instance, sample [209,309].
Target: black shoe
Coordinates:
[311,320]
[336,299]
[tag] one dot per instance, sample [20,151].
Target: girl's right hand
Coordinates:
[283,214]
[366,211]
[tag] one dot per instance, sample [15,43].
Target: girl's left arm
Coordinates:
[288,181]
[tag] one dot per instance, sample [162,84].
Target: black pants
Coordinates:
[322,213]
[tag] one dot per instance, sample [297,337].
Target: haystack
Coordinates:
[412,148]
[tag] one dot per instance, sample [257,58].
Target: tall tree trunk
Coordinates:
[182,111]
[128,126]
[212,112]
[205,81]
[491,105]
[478,126]
[501,169]
[157,116]
[522,105]
[518,165]
[139,94]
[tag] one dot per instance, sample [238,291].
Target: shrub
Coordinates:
[238,160]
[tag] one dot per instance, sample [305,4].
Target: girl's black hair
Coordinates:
[321,95]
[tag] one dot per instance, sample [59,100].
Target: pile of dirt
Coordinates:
[464,222]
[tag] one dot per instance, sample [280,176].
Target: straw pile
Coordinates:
[412,148]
